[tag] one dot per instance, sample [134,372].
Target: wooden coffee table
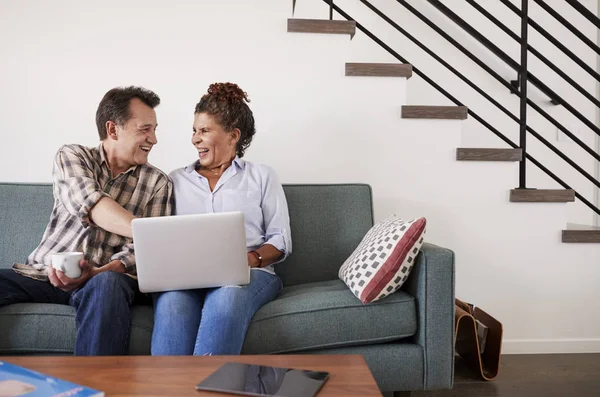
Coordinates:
[178,376]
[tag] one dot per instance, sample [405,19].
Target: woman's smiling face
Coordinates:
[215,145]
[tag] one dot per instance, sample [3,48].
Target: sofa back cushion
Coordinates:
[327,221]
[24,213]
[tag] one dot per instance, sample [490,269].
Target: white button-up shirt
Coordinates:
[251,188]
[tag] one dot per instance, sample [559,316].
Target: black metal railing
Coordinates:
[585,12]
[523,76]
[568,25]
[489,70]
[536,53]
[520,88]
[513,64]
[555,41]
[525,47]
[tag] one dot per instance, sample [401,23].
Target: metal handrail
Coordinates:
[487,43]
[521,121]
[585,12]
[568,25]
[502,55]
[535,52]
[554,41]
[484,66]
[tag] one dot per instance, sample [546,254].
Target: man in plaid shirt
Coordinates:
[97,193]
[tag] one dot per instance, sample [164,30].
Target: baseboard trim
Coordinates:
[550,346]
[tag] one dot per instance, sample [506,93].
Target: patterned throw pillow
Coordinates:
[384,258]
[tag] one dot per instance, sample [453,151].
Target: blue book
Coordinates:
[17,381]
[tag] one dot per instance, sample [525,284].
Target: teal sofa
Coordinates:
[406,338]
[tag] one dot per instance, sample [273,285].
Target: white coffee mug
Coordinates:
[68,263]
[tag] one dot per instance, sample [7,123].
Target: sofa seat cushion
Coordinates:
[44,328]
[326,314]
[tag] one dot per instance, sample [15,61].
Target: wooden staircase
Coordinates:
[573,234]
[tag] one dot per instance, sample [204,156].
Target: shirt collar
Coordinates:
[104,160]
[241,164]
[238,163]
[102,154]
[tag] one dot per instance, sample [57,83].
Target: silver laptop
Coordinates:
[190,251]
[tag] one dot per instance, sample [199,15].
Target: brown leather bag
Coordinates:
[466,341]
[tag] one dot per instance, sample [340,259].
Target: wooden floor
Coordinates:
[544,375]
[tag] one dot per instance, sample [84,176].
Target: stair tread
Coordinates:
[488,154]
[581,234]
[434,112]
[321,26]
[542,195]
[379,69]
[579,227]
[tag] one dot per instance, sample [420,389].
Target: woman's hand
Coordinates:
[264,256]
[252,261]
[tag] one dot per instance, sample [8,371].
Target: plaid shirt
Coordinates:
[81,177]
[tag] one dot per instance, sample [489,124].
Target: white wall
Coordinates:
[314,125]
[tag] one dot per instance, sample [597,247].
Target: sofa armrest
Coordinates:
[431,282]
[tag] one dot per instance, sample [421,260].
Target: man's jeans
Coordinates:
[103,307]
[209,321]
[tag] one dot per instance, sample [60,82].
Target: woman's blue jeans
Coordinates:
[210,321]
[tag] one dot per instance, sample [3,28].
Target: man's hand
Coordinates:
[61,281]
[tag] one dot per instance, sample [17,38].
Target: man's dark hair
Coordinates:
[115,106]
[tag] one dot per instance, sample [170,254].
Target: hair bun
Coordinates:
[227,92]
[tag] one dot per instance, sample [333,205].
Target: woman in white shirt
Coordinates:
[214,321]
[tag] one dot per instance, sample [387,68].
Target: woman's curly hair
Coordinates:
[228,104]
